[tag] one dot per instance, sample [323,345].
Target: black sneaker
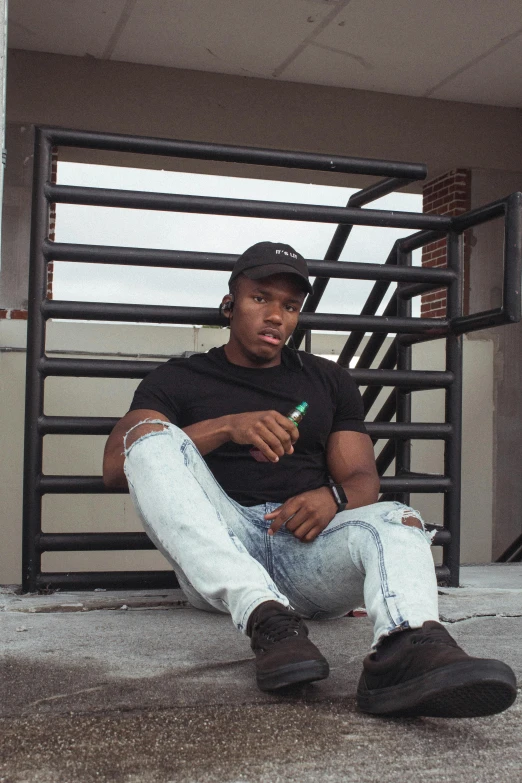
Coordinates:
[423,671]
[284,654]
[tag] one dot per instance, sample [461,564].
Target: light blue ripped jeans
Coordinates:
[226,561]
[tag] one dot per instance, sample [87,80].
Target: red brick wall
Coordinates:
[448,194]
[15,315]
[21,315]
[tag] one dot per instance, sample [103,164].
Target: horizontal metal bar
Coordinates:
[74,485]
[377,190]
[412,379]
[135,580]
[175,259]
[105,542]
[110,580]
[415,483]
[93,485]
[90,425]
[100,311]
[137,256]
[233,154]
[108,368]
[442,536]
[486,319]
[386,497]
[76,425]
[87,542]
[419,430]
[205,205]
[414,339]
[415,289]
[420,239]
[480,215]
[96,368]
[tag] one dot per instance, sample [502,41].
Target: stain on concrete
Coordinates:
[169,696]
[298,742]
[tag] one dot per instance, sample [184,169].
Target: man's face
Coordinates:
[264,316]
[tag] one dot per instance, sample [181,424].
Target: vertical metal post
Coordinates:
[33,443]
[403,397]
[512,257]
[453,447]
[308,341]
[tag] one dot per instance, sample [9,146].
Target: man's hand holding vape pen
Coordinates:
[270,434]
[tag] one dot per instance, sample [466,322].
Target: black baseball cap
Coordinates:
[271,258]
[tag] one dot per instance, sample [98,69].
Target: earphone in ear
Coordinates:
[226,307]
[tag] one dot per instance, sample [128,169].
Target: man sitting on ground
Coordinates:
[294,529]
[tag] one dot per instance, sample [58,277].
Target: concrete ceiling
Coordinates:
[458,50]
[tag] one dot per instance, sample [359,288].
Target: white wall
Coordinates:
[477,440]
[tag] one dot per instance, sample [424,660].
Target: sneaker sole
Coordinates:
[291,674]
[463,690]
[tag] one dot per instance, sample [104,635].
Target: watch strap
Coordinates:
[339,496]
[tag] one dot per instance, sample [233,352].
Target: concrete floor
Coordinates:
[137,687]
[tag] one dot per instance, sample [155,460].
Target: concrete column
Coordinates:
[485,293]
[16,221]
[3,65]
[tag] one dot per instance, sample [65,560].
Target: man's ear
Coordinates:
[227,305]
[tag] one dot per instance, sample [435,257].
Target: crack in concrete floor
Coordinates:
[453,620]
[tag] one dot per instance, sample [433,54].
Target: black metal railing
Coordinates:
[513,553]
[395,369]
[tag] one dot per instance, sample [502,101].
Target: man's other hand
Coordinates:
[305,515]
[269,431]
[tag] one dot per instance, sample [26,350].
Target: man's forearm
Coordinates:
[209,434]
[362,489]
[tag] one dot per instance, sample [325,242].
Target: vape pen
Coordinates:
[295,415]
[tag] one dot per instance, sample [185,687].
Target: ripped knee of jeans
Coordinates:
[141,430]
[412,521]
[406,516]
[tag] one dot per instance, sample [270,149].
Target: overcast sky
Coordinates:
[208,233]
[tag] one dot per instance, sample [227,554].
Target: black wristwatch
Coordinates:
[339,496]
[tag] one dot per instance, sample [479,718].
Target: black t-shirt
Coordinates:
[206,386]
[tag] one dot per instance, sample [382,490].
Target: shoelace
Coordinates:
[434,637]
[279,626]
